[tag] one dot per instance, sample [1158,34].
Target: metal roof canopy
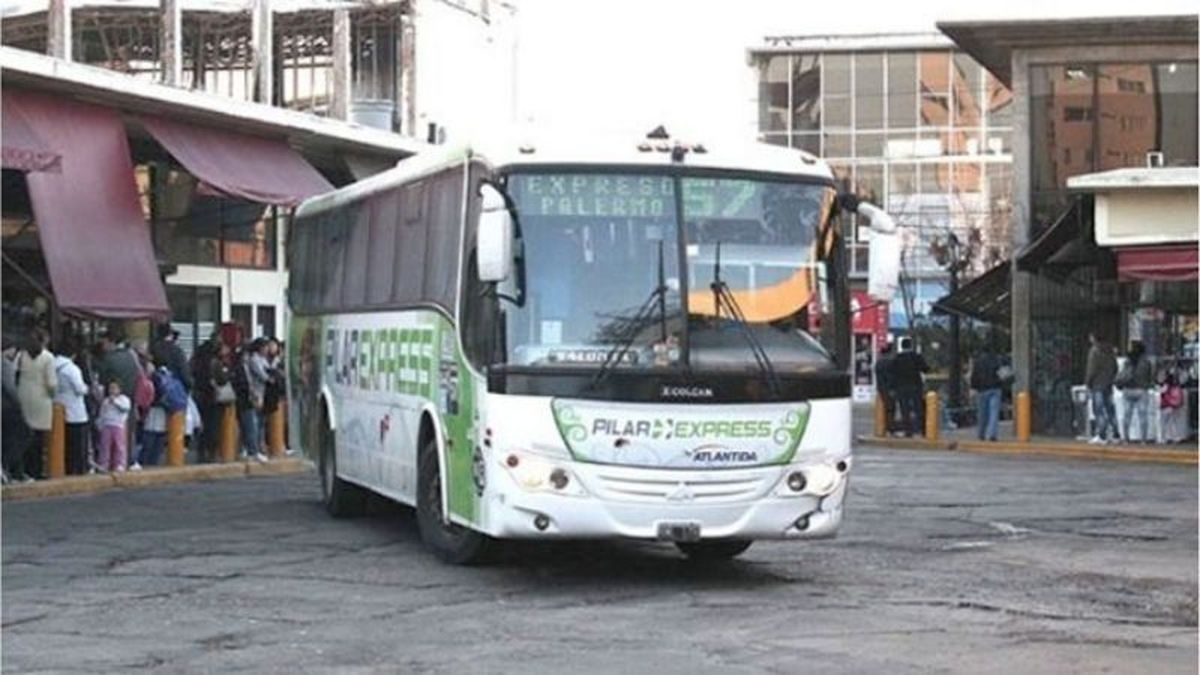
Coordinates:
[311,135]
[1136,179]
[992,43]
[866,42]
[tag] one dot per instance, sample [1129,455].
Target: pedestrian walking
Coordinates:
[36,385]
[907,373]
[885,386]
[986,382]
[1100,374]
[1134,380]
[114,416]
[72,394]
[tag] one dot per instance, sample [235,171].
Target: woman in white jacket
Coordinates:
[71,394]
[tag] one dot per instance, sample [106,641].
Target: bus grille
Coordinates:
[672,489]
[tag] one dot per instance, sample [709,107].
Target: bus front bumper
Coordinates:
[672,505]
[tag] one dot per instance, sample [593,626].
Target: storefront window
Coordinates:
[193,228]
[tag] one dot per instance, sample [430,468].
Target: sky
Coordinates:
[629,65]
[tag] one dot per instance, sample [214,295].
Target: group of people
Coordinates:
[1137,381]
[900,380]
[118,396]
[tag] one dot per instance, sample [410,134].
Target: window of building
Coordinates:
[194,228]
[773,93]
[243,316]
[195,313]
[266,320]
[902,90]
[806,92]
[868,91]
[935,88]
[967,83]
[836,73]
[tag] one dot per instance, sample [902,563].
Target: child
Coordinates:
[114,412]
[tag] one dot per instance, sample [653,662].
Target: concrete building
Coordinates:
[910,122]
[1104,239]
[351,86]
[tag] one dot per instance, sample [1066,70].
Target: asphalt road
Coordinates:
[952,563]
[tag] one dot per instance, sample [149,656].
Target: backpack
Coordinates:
[1172,397]
[172,397]
[144,392]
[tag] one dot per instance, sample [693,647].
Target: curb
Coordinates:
[1068,450]
[95,483]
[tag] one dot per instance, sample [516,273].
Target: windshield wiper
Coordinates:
[657,296]
[723,296]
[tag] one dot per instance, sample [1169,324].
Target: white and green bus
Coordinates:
[642,338]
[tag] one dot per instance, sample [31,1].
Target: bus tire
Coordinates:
[450,542]
[342,499]
[714,549]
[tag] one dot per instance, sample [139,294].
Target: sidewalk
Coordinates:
[99,482]
[965,440]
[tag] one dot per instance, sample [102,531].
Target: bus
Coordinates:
[638,338]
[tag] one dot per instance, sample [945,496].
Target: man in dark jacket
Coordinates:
[907,371]
[986,382]
[885,385]
[166,351]
[1099,377]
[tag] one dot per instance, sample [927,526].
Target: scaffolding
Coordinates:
[218,52]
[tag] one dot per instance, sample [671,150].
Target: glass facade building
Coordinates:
[924,131]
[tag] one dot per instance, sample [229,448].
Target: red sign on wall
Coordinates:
[869,316]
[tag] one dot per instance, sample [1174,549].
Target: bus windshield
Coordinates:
[616,259]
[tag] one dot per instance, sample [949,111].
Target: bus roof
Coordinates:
[582,152]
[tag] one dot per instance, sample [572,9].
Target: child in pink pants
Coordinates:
[114,413]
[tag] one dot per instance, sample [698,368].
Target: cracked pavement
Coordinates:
[946,563]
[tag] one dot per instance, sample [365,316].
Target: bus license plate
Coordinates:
[684,532]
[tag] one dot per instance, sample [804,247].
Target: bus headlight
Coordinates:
[539,474]
[822,479]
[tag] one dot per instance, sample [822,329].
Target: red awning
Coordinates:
[93,232]
[1158,263]
[22,149]
[246,167]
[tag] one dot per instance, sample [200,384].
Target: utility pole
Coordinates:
[955,359]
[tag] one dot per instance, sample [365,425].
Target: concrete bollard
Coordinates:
[275,441]
[932,416]
[229,434]
[56,443]
[880,416]
[1024,416]
[175,424]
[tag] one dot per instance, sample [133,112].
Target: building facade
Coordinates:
[911,123]
[380,65]
[1094,99]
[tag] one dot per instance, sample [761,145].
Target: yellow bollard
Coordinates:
[175,424]
[880,416]
[275,441]
[56,444]
[1024,416]
[931,416]
[229,434]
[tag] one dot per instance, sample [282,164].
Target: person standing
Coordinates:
[166,352]
[113,420]
[907,371]
[885,386]
[72,394]
[986,383]
[36,385]
[15,431]
[1099,377]
[1134,380]
[252,375]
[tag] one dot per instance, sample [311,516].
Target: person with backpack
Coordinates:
[1134,380]
[986,383]
[170,398]
[166,352]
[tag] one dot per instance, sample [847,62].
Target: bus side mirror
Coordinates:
[883,277]
[494,242]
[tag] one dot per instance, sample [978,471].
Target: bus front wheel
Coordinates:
[342,499]
[714,550]
[451,542]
